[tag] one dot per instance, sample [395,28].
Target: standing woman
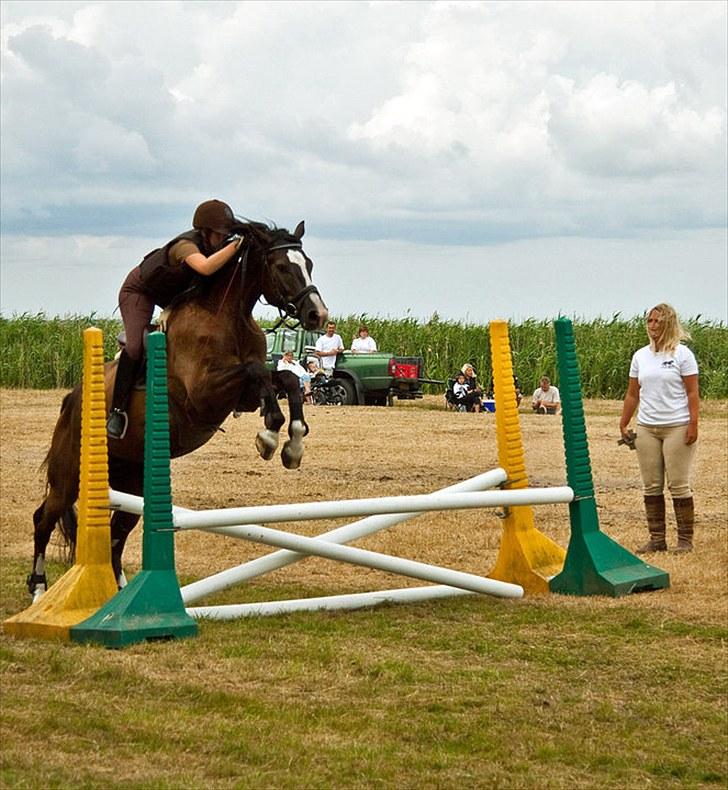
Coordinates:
[663,381]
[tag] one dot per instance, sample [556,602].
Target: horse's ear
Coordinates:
[300,230]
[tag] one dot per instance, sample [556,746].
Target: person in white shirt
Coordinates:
[328,346]
[461,391]
[546,398]
[363,343]
[663,382]
[287,362]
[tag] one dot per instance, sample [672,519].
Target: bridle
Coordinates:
[292,308]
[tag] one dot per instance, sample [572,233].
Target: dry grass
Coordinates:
[549,691]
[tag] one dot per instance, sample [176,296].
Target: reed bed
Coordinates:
[40,352]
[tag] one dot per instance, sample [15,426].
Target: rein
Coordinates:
[292,308]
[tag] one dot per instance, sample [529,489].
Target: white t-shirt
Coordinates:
[294,367]
[326,343]
[460,391]
[663,399]
[364,344]
[552,396]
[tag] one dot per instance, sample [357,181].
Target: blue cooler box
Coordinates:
[489,405]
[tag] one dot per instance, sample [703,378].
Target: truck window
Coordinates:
[270,340]
[289,340]
[310,338]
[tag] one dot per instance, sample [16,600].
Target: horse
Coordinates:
[216,365]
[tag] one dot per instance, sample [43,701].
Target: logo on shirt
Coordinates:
[668,363]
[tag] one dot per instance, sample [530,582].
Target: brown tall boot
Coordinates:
[685,517]
[655,511]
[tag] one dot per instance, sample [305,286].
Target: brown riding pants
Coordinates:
[137,309]
[664,456]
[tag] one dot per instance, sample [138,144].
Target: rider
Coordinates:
[162,275]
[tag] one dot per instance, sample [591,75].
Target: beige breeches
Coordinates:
[663,455]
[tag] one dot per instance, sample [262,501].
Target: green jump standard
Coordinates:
[595,564]
[150,607]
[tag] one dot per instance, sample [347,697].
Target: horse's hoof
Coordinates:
[38,592]
[266,442]
[292,451]
[37,585]
[121,580]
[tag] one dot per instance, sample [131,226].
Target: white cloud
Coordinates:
[610,129]
[493,120]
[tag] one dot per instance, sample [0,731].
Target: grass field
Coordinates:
[549,691]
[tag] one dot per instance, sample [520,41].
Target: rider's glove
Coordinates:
[234,237]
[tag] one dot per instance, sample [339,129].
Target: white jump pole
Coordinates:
[369,559]
[328,602]
[344,534]
[267,514]
[372,559]
[229,518]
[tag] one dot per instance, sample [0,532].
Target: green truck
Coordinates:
[373,379]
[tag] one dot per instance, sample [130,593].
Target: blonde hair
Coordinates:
[671,330]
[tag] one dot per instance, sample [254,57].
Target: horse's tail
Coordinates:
[61,466]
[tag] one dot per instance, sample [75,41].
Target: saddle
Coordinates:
[160,326]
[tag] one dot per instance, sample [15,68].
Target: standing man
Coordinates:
[328,346]
[546,399]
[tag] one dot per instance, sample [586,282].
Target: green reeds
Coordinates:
[40,352]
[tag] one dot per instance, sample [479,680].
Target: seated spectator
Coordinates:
[460,392]
[363,343]
[546,398]
[287,362]
[313,369]
[475,392]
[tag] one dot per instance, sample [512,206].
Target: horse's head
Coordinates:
[286,274]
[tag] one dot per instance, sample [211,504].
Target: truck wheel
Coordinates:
[336,395]
[350,390]
[319,396]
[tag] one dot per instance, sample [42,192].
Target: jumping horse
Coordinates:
[215,354]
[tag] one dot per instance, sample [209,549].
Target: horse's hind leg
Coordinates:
[121,526]
[51,511]
[129,478]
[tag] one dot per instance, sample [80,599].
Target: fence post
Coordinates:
[595,564]
[526,556]
[150,606]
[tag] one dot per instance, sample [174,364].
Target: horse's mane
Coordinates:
[258,235]
[260,230]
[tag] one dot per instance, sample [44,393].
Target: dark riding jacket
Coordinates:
[163,280]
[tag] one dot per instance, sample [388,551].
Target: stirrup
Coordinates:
[117,423]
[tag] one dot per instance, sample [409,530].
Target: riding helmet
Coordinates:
[213,215]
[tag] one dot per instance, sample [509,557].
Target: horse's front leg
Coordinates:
[256,391]
[292,451]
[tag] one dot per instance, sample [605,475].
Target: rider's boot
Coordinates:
[118,420]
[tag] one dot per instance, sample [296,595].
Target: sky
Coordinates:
[477,160]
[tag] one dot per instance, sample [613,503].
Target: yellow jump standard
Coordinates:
[90,583]
[526,556]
